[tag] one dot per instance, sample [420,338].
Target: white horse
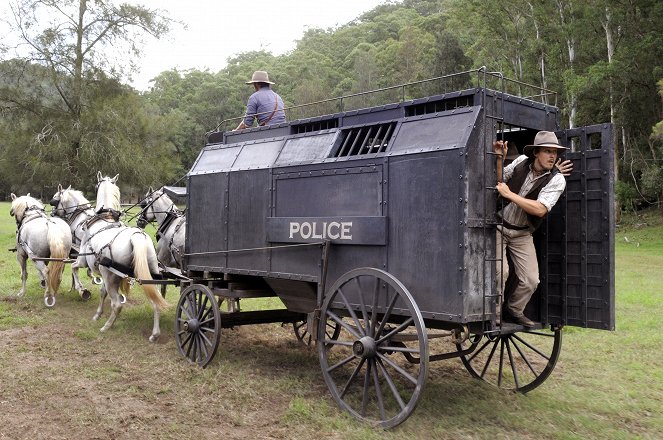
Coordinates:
[72,206]
[172,226]
[43,240]
[118,252]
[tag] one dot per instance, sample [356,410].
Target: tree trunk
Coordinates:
[571,50]
[610,43]
[542,54]
[77,91]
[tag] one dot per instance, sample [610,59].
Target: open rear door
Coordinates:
[577,245]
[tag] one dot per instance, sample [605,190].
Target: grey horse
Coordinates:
[42,239]
[118,252]
[156,205]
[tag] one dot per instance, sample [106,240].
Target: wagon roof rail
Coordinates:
[479,78]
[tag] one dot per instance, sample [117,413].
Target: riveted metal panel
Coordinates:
[214,159]
[577,244]
[438,131]
[248,207]
[336,190]
[258,154]
[207,220]
[425,217]
[306,148]
[332,190]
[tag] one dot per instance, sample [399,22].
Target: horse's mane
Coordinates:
[108,201]
[21,204]
[78,196]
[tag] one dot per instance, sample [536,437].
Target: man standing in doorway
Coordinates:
[530,186]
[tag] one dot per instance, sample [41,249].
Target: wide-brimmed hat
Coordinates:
[260,76]
[512,152]
[543,139]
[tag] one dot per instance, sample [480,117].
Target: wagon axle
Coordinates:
[191,326]
[365,348]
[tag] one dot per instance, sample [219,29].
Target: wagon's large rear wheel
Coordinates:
[197,324]
[379,320]
[514,361]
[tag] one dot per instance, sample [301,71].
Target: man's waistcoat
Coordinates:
[516,182]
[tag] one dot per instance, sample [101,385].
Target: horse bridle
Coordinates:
[147,203]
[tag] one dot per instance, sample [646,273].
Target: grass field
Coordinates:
[61,379]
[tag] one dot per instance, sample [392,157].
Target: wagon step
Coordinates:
[233,319]
[174,272]
[238,290]
[407,337]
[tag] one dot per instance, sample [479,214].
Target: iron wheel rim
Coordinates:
[361,377]
[519,361]
[197,325]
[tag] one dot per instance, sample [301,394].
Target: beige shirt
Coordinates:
[548,196]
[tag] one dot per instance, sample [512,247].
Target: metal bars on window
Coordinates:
[365,140]
[439,106]
[325,124]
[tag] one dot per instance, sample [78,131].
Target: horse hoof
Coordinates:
[154,338]
[85,295]
[123,298]
[49,301]
[96,317]
[97,280]
[103,329]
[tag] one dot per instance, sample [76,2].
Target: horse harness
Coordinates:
[70,218]
[107,216]
[31,213]
[171,216]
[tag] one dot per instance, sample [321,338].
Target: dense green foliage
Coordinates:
[603,57]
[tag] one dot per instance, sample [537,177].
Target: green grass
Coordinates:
[264,384]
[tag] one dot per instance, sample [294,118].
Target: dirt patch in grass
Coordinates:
[63,380]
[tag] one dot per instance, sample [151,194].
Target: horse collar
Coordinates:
[74,214]
[170,217]
[28,218]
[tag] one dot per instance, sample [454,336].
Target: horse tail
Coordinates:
[139,242]
[56,239]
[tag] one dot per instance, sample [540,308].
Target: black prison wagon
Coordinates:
[376,228]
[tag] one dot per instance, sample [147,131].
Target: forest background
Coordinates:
[66,109]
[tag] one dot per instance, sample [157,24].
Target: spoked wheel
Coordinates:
[197,325]
[304,335]
[379,319]
[514,361]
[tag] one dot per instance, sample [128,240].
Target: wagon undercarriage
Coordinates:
[374,361]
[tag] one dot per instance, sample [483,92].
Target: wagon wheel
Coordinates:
[197,324]
[514,361]
[381,319]
[301,329]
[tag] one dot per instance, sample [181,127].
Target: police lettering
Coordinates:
[324,230]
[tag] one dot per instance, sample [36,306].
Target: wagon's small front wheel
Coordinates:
[303,328]
[379,319]
[197,324]
[519,361]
